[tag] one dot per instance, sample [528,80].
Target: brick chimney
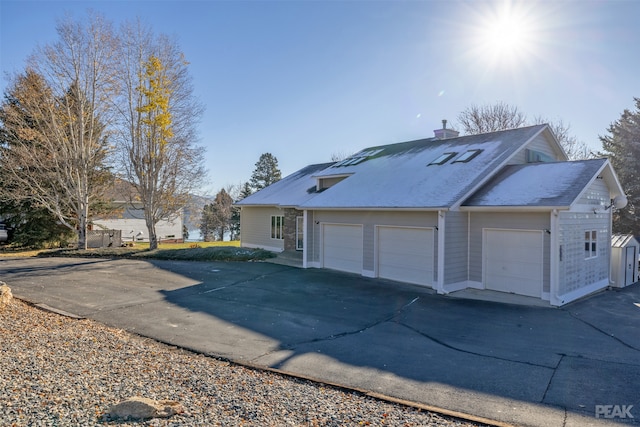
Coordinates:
[445,133]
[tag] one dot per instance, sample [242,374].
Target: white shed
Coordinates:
[624,260]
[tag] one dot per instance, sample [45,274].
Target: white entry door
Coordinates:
[513,261]
[342,247]
[406,254]
[631,266]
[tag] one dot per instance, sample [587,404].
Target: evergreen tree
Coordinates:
[206,223]
[216,217]
[622,147]
[266,172]
[245,191]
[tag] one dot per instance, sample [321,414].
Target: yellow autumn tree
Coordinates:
[160,157]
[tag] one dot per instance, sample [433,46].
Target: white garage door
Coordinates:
[513,261]
[406,254]
[342,247]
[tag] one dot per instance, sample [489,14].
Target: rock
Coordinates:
[5,294]
[142,408]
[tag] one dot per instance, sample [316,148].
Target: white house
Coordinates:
[502,211]
[127,215]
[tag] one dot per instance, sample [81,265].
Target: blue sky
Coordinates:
[308,79]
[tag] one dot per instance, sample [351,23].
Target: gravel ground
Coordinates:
[57,371]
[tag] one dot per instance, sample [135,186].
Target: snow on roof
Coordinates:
[537,185]
[400,175]
[289,191]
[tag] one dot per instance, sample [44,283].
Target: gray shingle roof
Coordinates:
[400,175]
[537,185]
[292,190]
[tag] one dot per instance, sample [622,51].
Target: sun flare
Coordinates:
[505,34]
[505,37]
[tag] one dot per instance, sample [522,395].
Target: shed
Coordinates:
[624,260]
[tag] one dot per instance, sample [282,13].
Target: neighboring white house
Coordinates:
[133,226]
[128,216]
[503,211]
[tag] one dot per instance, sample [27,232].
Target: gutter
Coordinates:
[512,208]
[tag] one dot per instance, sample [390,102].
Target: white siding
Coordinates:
[164,228]
[255,230]
[575,271]
[596,195]
[539,143]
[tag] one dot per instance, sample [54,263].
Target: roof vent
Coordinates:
[445,133]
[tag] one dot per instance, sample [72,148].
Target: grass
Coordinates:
[189,251]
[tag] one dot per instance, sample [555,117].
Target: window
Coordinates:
[277,227]
[444,158]
[534,156]
[590,244]
[299,233]
[464,158]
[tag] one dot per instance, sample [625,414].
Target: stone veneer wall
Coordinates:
[290,216]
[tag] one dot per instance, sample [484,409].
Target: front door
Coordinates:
[630,270]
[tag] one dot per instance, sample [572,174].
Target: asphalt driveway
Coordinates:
[515,364]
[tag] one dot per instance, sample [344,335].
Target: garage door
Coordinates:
[342,247]
[406,254]
[513,261]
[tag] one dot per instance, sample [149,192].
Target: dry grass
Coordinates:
[10,252]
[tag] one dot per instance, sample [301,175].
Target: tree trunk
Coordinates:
[151,228]
[82,225]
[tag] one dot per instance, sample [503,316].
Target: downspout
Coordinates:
[304,238]
[441,237]
[554,264]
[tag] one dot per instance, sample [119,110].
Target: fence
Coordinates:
[104,238]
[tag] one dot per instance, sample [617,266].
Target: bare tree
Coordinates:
[501,116]
[58,113]
[575,150]
[158,116]
[340,155]
[490,118]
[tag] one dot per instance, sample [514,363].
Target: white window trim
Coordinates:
[591,243]
[277,227]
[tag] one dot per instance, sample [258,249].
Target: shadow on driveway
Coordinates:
[383,335]
[517,364]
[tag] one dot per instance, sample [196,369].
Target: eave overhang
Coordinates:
[513,208]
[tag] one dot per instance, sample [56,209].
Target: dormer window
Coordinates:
[465,157]
[534,156]
[444,158]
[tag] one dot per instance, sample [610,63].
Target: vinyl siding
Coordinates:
[575,271]
[255,228]
[456,247]
[507,221]
[597,194]
[539,143]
